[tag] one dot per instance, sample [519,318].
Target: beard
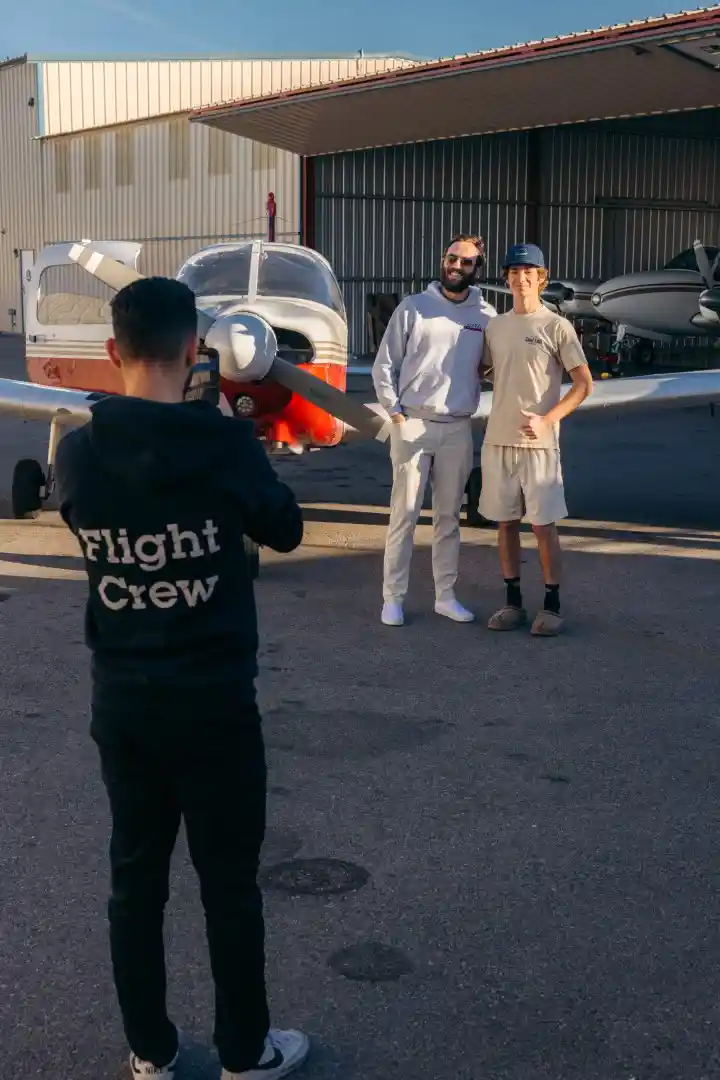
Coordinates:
[456,284]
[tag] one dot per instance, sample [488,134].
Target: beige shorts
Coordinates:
[522,482]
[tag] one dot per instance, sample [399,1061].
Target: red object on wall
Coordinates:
[271,212]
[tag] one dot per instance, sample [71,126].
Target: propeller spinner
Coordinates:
[709,303]
[247,349]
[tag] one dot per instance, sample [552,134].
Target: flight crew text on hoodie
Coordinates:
[160,497]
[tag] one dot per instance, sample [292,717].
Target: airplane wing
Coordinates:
[644,393]
[647,393]
[32,402]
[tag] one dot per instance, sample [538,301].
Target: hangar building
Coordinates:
[103,149]
[600,146]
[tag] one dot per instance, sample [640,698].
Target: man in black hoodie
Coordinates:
[160,493]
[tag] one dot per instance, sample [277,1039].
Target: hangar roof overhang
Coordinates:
[659,65]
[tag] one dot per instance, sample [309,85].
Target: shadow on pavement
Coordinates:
[537,821]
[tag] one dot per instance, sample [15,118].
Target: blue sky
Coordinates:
[321,27]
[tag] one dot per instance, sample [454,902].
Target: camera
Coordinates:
[203,381]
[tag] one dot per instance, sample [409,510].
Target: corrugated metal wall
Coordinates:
[84,94]
[20,183]
[601,199]
[625,197]
[383,216]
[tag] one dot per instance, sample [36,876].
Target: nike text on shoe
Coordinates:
[392,614]
[139,1070]
[451,609]
[285,1051]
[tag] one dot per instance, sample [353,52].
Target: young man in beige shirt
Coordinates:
[525,353]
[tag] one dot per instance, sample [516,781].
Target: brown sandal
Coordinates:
[546,624]
[508,618]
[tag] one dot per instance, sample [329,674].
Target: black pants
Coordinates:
[199,756]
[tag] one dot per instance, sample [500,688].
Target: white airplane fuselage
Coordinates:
[664,301]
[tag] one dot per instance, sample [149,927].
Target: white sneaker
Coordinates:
[285,1051]
[392,614]
[141,1069]
[451,609]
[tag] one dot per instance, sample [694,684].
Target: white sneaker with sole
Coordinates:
[392,614]
[285,1051]
[451,609]
[139,1070]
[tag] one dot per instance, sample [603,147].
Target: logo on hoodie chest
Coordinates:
[477,327]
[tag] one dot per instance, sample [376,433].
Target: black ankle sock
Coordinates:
[513,596]
[552,599]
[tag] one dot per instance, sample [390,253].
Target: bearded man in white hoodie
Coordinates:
[427,376]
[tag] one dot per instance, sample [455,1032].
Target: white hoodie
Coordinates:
[428,363]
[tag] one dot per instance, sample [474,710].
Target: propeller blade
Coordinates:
[116,276]
[703,264]
[327,398]
[113,273]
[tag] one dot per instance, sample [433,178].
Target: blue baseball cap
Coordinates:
[524,255]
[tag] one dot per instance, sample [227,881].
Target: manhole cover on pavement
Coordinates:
[314,877]
[371,962]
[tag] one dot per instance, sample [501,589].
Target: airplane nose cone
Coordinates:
[710,300]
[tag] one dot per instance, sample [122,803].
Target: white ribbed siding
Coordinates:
[78,95]
[172,185]
[124,162]
[21,191]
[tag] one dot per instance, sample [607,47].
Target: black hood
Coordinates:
[161,443]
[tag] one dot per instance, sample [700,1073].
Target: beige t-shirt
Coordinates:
[526,355]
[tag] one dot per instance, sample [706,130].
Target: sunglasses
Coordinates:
[452,259]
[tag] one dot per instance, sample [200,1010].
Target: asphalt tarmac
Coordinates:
[531,825]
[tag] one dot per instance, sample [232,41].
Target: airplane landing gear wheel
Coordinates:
[644,354]
[252,554]
[28,488]
[474,486]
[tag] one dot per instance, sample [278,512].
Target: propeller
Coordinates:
[247,349]
[703,262]
[113,273]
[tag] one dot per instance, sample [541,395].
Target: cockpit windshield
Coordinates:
[282,272]
[225,272]
[687,260]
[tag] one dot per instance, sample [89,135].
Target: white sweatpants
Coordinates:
[419,450]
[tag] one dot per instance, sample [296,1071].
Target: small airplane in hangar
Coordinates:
[273,348]
[680,300]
